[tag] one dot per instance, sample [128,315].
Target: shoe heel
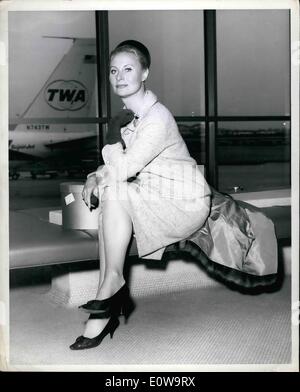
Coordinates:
[114,327]
[127,308]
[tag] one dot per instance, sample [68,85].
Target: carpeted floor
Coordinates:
[200,326]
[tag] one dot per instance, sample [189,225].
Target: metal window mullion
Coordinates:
[211,110]
[103,119]
[102,50]
[58,120]
[250,118]
[189,118]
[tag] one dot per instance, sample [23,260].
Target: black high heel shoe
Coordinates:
[125,308]
[82,342]
[119,304]
[103,305]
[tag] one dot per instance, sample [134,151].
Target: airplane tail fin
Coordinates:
[69,91]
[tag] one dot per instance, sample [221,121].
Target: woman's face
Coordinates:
[126,74]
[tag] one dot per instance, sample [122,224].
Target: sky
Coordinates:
[253,56]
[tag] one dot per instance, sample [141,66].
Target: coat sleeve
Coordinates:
[151,140]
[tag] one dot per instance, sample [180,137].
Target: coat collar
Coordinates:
[149,100]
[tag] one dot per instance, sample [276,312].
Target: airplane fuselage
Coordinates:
[42,144]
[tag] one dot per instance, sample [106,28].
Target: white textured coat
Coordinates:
[166,196]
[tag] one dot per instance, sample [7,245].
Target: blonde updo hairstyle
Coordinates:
[137,48]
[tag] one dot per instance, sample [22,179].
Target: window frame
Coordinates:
[211,117]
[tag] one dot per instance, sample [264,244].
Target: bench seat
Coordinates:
[34,241]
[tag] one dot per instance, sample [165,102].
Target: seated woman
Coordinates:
[149,185]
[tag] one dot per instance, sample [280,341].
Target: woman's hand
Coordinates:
[115,124]
[90,188]
[94,186]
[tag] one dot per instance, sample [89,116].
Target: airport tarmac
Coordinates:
[44,191]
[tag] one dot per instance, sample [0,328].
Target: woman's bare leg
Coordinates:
[101,253]
[115,236]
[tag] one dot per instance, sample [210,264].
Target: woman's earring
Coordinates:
[135,120]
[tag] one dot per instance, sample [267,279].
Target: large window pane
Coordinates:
[253,55]
[52,101]
[175,41]
[42,50]
[253,156]
[193,133]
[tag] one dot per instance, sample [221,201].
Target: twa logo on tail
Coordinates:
[66,95]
